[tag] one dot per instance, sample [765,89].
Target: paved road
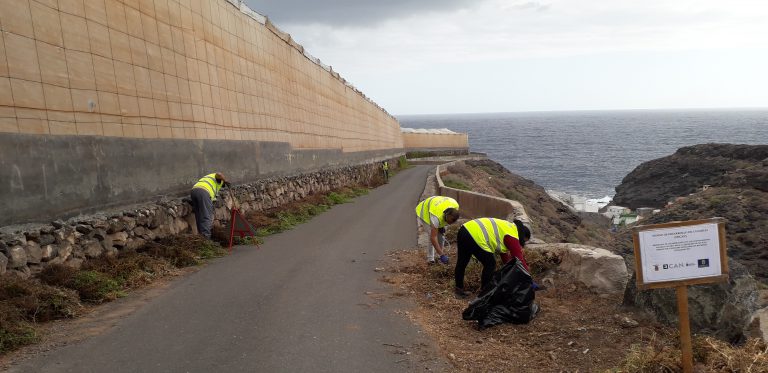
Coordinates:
[297,305]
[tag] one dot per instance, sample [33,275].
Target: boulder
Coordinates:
[723,310]
[3,263]
[758,327]
[119,239]
[46,239]
[92,249]
[17,257]
[601,270]
[65,250]
[34,253]
[48,252]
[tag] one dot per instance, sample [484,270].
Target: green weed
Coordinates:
[456,184]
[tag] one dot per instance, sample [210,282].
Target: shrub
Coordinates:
[455,184]
[96,287]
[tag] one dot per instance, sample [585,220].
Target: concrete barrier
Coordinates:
[478,205]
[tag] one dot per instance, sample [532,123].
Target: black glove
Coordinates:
[227,184]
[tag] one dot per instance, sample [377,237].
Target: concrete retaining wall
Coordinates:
[478,205]
[48,177]
[417,141]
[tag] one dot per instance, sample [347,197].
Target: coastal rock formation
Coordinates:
[689,169]
[737,190]
[723,310]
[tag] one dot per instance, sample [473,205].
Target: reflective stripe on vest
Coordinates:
[208,182]
[436,206]
[478,229]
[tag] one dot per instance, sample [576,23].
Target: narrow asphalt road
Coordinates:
[297,305]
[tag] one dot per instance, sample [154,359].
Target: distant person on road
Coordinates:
[385,170]
[435,213]
[482,238]
[204,192]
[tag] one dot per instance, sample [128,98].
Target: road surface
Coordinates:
[306,302]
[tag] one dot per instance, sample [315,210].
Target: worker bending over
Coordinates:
[435,213]
[484,237]
[204,192]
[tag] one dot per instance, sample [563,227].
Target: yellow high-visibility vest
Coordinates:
[208,182]
[489,233]
[435,206]
[385,166]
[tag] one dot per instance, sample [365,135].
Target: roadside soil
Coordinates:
[576,330]
[94,320]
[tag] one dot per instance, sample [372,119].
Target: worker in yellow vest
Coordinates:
[435,213]
[385,170]
[204,192]
[484,237]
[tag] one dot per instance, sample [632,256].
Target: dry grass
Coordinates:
[572,321]
[25,302]
[662,355]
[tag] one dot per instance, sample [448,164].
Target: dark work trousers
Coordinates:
[203,207]
[467,247]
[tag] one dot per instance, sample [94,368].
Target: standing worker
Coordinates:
[484,237]
[385,169]
[204,192]
[436,213]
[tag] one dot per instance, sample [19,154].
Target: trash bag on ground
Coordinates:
[509,300]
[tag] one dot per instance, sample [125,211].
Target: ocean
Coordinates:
[588,153]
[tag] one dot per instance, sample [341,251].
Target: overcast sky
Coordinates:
[460,56]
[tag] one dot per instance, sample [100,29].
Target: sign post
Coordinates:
[680,254]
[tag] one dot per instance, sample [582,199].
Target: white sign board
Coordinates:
[680,253]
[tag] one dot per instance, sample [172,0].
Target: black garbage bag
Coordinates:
[509,300]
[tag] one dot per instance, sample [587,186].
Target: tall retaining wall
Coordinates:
[110,102]
[435,141]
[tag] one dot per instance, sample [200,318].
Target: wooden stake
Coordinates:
[685,328]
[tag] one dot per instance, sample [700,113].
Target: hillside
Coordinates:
[689,169]
[738,192]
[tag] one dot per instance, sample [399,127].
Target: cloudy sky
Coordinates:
[470,56]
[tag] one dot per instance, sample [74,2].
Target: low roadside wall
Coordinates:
[478,205]
[27,249]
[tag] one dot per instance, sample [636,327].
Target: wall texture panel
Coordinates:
[191,69]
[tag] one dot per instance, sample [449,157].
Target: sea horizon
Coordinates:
[588,152]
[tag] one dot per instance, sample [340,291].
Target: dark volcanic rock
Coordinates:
[654,183]
[723,310]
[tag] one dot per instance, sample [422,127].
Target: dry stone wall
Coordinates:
[181,69]
[28,249]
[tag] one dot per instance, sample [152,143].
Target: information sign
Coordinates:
[692,251]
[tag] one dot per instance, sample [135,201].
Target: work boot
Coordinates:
[461,293]
[534,310]
[431,261]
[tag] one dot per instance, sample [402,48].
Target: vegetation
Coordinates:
[456,184]
[286,217]
[662,354]
[59,290]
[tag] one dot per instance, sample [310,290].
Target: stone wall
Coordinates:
[27,249]
[181,69]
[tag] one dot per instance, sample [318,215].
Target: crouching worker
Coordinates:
[435,213]
[204,192]
[482,238]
